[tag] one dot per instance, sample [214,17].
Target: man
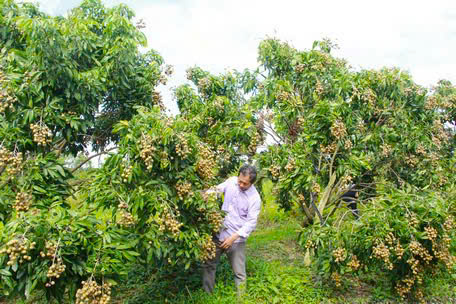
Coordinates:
[242,205]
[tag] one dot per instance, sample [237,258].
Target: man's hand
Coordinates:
[229,241]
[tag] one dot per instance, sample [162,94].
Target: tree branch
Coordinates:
[89,158]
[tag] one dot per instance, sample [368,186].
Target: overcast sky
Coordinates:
[415,35]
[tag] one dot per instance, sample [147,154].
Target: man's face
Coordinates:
[244,182]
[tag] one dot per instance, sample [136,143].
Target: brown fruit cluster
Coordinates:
[42,135]
[411,160]
[55,271]
[291,165]
[158,100]
[183,189]
[386,150]
[319,89]
[315,188]
[126,219]
[169,70]
[431,233]
[13,161]
[339,255]
[300,68]
[418,250]
[329,149]
[23,201]
[431,103]
[338,129]
[147,150]
[169,223]
[189,73]
[17,250]
[216,220]
[254,141]
[204,84]
[126,173]
[413,220]
[208,250]
[369,96]
[381,252]
[182,148]
[283,96]
[404,287]
[354,263]
[140,24]
[348,144]
[92,293]
[275,171]
[336,278]
[206,163]
[122,205]
[310,244]
[51,250]
[6,101]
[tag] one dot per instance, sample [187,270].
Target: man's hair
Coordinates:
[250,171]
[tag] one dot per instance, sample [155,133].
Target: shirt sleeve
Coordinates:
[252,217]
[222,187]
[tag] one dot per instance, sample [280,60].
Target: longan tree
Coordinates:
[374,132]
[64,83]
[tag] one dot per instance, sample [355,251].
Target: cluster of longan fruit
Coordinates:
[418,250]
[206,163]
[291,165]
[6,101]
[42,135]
[411,160]
[329,149]
[216,220]
[23,201]
[55,271]
[147,150]
[182,148]
[126,173]
[413,220]
[315,188]
[431,103]
[122,205]
[204,84]
[92,293]
[300,68]
[338,129]
[13,161]
[51,250]
[17,250]
[339,255]
[348,144]
[158,100]
[168,222]
[183,189]
[275,171]
[381,252]
[319,89]
[336,278]
[208,249]
[283,96]
[369,96]
[254,141]
[386,150]
[405,286]
[354,263]
[126,219]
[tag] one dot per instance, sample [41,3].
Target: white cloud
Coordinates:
[418,36]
